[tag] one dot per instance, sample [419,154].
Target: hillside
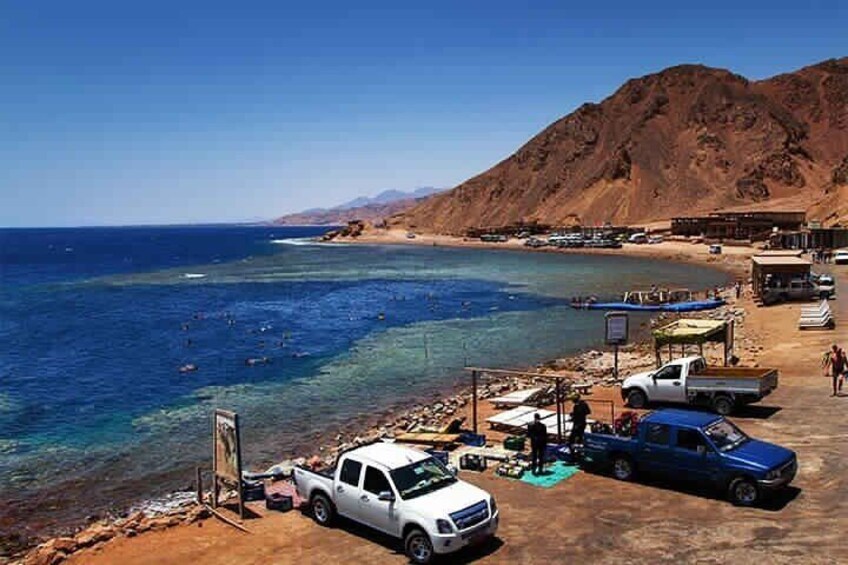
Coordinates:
[689,139]
[369,209]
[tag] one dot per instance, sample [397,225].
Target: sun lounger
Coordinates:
[822,308]
[817,317]
[551,424]
[518,417]
[517,398]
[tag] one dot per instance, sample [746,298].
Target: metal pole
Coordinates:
[474,398]
[615,371]
[559,410]
[199,485]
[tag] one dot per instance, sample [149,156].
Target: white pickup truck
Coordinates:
[405,493]
[690,380]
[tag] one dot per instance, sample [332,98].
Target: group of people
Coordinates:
[821,255]
[835,364]
[537,433]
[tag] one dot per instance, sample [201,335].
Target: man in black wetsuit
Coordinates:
[537,432]
[578,420]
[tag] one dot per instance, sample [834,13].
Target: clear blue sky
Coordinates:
[163,112]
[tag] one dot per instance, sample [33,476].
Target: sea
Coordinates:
[302,339]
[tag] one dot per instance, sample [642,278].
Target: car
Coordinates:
[840,257]
[796,289]
[826,285]
[638,238]
[405,493]
[695,446]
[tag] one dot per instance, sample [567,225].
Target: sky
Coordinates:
[117,113]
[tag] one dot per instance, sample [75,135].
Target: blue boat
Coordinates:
[654,300]
[691,306]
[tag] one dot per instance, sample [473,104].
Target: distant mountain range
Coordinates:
[371,209]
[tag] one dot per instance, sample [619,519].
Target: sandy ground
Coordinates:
[733,258]
[593,518]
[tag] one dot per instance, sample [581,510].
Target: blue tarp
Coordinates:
[554,474]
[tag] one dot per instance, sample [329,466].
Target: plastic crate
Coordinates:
[279,502]
[514,443]
[472,439]
[440,455]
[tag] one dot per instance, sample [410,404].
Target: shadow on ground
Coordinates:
[770,501]
[466,555]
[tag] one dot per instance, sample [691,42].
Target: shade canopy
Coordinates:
[691,332]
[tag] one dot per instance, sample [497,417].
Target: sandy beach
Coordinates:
[733,259]
[595,518]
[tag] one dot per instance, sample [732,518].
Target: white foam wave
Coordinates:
[194,275]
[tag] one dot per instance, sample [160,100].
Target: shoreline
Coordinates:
[429,410]
[733,260]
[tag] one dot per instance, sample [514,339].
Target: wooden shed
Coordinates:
[779,268]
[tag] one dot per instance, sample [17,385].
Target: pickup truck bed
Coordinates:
[737,380]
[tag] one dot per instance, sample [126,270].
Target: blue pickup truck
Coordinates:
[699,447]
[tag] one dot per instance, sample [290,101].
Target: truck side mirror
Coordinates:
[386,496]
[702,450]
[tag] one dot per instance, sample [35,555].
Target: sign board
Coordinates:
[226,453]
[617,328]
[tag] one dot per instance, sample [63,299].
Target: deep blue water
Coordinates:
[95,324]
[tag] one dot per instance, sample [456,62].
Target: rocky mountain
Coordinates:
[689,139]
[370,209]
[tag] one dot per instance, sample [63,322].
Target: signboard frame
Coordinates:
[611,333]
[226,455]
[614,334]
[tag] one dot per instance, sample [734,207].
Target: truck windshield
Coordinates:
[725,435]
[421,477]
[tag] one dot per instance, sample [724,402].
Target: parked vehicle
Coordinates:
[655,239]
[402,492]
[690,380]
[638,238]
[826,284]
[715,249]
[840,257]
[535,242]
[797,289]
[696,446]
[494,237]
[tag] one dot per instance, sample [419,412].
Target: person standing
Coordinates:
[537,432]
[837,362]
[738,287]
[579,412]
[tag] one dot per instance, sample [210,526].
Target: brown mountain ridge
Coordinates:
[689,139]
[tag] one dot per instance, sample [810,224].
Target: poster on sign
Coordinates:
[226,456]
[617,328]
[227,450]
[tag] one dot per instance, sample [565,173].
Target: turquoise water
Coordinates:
[94,325]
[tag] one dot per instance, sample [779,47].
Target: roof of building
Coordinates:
[779,261]
[779,253]
[388,455]
[677,417]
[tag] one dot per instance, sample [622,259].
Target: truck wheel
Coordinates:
[418,547]
[636,399]
[744,492]
[723,405]
[322,510]
[622,468]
